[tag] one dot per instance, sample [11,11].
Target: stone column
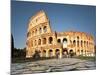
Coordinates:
[53,52]
[47,53]
[76,47]
[41,41]
[41,53]
[60,55]
[47,40]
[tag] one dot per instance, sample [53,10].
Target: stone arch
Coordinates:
[50,53]
[82,52]
[50,40]
[57,52]
[40,30]
[71,52]
[64,40]
[65,52]
[81,43]
[78,50]
[45,29]
[44,53]
[40,52]
[59,40]
[77,43]
[35,31]
[35,42]
[64,43]
[77,37]
[39,42]
[32,32]
[44,40]
[36,55]
[84,43]
[87,43]
[31,43]
[74,42]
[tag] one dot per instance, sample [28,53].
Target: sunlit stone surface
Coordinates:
[42,38]
[53,65]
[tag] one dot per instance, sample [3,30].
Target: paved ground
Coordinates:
[52,65]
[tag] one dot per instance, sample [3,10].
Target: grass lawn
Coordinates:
[90,58]
[23,60]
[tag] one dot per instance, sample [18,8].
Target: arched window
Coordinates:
[71,50]
[81,43]
[77,43]
[74,43]
[84,43]
[35,42]
[44,51]
[64,40]
[31,43]
[82,52]
[50,53]
[59,41]
[77,37]
[36,31]
[32,32]
[40,30]
[57,50]
[78,50]
[39,42]
[45,29]
[50,40]
[44,40]
[87,43]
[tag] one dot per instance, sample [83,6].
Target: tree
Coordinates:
[12,46]
[36,55]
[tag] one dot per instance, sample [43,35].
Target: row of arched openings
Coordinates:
[44,40]
[44,30]
[74,42]
[57,52]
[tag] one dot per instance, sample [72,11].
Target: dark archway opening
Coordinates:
[64,40]
[82,52]
[44,40]
[36,55]
[59,41]
[44,53]
[50,53]
[50,40]
[71,52]
[57,53]
[65,52]
[45,29]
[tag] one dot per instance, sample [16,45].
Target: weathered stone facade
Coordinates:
[40,37]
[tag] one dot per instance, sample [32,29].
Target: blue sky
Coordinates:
[63,17]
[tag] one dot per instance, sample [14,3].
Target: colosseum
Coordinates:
[48,43]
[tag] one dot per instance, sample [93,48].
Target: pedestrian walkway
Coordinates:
[52,65]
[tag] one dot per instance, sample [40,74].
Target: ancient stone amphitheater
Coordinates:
[41,38]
